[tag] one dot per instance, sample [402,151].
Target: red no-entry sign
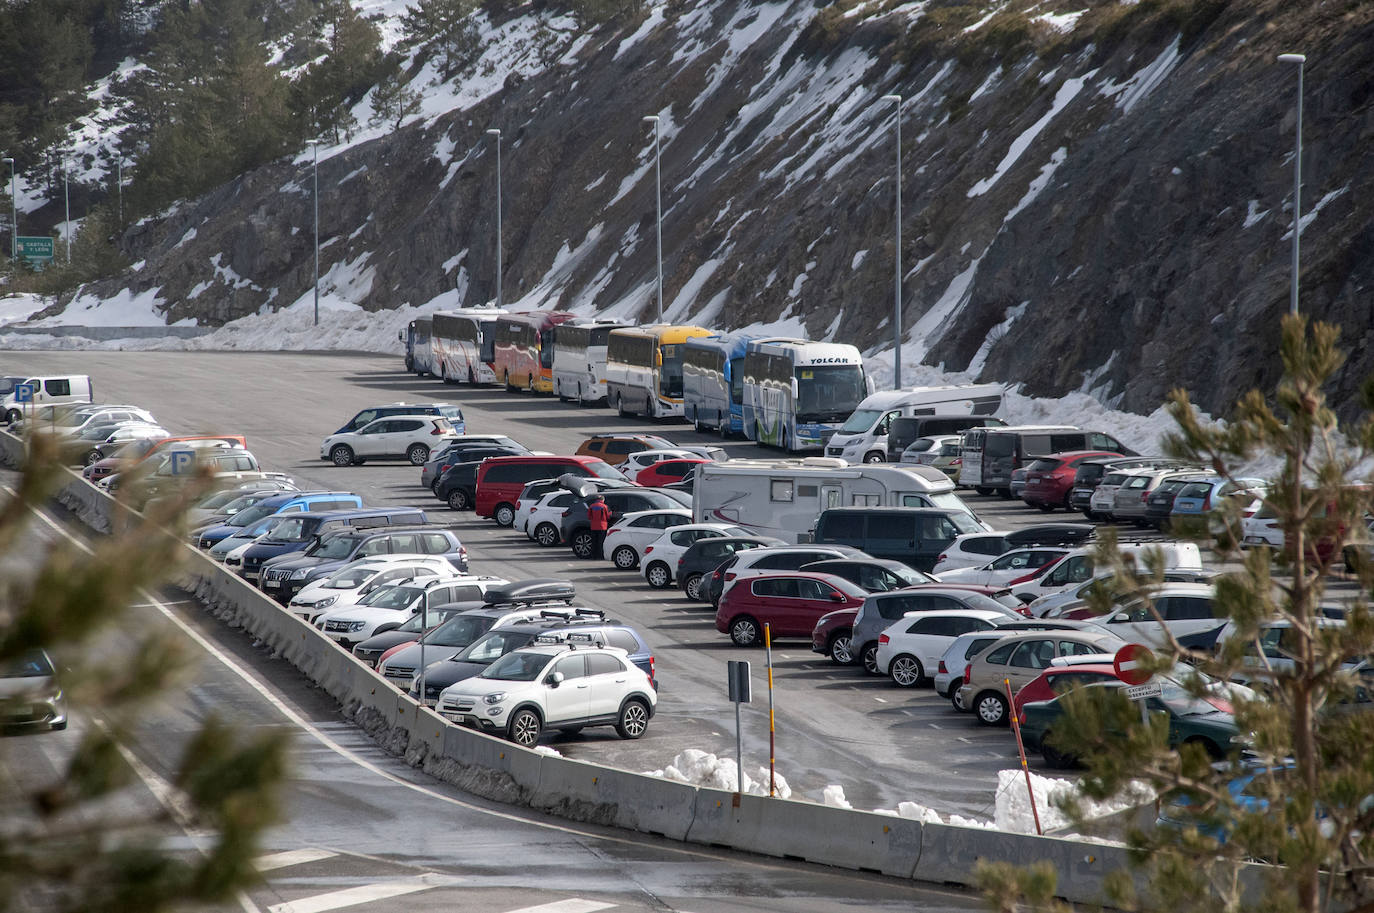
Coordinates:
[1132,664]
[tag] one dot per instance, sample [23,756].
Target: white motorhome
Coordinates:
[48,391]
[863,438]
[784,497]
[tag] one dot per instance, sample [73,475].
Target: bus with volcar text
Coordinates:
[797,393]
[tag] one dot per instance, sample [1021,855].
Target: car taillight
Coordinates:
[1144,497]
[941,558]
[651,672]
[968,673]
[942,670]
[446,467]
[680,560]
[1021,717]
[958,462]
[1207,503]
[531,510]
[1024,609]
[883,639]
[567,512]
[613,529]
[648,548]
[437,431]
[729,575]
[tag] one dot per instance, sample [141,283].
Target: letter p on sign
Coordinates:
[181,461]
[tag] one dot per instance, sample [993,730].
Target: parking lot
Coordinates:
[835,725]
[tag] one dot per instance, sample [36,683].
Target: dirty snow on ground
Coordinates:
[701,768]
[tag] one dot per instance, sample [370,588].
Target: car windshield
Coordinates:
[517,667]
[332,547]
[262,527]
[604,471]
[220,499]
[987,603]
[294,529]
[950,501]
[457,632]
[921,444]
[1181,703]
[964,523]
[860,421]
[493,646]
[391,597]
[1043,465]
[253,514]
[350,578]
[34,664]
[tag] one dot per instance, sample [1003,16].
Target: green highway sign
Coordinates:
[35,248]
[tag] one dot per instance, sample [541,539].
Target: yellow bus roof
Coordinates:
[666,334]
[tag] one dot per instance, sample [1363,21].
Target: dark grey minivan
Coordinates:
[914,536]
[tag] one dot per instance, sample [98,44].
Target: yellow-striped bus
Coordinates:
[644,369]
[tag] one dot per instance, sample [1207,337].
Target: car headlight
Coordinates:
[326,602]
[299,574]
[357,625]
[495,697]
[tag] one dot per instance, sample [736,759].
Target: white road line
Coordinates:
[571,905]
[290,858]
[934,725]
[351,897]
[880,700]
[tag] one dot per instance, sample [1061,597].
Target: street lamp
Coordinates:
[67,204]
[14,213]
[497,133]
[1299,59]
[897,259]
[119,170]
[315,148]
[658,195]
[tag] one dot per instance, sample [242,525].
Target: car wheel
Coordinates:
[504,515]
[991,708]
[955,699]
[1046,508]
[13,416]
[418,454]
[982,491]
[342,455]
[58,727]
[906,671]
[625,558]
[434,488]
[659,575]
[582,544]
[873,457]
[691,587]
[1054,758]
[841,649]
[634,719]
[524,728]
[744,631]
[546,534]
[93,457]
[870,658]
[458,500]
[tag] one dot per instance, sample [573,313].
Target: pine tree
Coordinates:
[393,100]
[448,25]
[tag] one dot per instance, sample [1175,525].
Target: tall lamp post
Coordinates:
[119,171]
[315,149]
[14,213]
[1298,59]
[67,205]
[897,259]
[497,133]
[658,196]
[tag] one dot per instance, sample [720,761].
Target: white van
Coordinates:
[783,498]
[863,438]
[1077,566]
[49,391]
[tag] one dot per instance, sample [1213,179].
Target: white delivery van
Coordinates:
[58,390]
[1077,566]
[863,438]
[783,497]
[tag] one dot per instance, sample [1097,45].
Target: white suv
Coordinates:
[391,605]
[554,686]
[394,437]
[349,584]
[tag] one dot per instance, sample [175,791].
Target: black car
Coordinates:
[1090,473]
[543,592]
[705,555]
[874,575]
[458,484]
[1160,502]
[554,627]
[577,533]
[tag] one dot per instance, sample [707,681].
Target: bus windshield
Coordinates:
[828,393]
[737,380]
[670,375]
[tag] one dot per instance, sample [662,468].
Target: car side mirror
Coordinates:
[837,597]
[555,679]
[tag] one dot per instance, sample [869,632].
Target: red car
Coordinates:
[789,603]
[1050,478]
[1055,680]
[833,636]
[665,472]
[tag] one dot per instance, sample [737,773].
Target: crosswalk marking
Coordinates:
[289,858]
[349,897]
[571,905]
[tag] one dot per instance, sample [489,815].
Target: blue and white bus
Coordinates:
[797,393]
[713,382]
[419,346]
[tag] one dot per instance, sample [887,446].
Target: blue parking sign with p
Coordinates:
[181,461]
[23,393]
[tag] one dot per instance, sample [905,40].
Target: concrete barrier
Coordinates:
[804,830]
[601,795]
[488,767]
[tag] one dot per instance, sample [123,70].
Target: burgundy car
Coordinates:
[790,603]
[833,636]
[1050,478]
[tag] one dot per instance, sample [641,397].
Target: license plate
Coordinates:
[271,584]
[1255,540]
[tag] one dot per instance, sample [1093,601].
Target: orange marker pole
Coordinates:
[1021,749]
[768,652]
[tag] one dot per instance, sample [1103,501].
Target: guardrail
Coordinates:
[579,791]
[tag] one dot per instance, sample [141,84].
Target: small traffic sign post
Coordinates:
[737,679]
[1133,664]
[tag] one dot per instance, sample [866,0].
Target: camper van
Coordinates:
[863,438]
[783,498]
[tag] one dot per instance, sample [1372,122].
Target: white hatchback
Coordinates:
[625,541]
[355,580]
[1017,563]
[391,605]
[910,649]
[970,550]
[393,437]
[659,560]
[540,521]
[563,686]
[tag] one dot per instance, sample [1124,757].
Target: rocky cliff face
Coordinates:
[1095,201]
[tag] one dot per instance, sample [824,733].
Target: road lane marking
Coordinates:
[290,858]
[571,905]
[366,893]
[880,700]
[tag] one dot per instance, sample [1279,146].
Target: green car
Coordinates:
[1205,721]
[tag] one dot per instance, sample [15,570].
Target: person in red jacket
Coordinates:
[599,519]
